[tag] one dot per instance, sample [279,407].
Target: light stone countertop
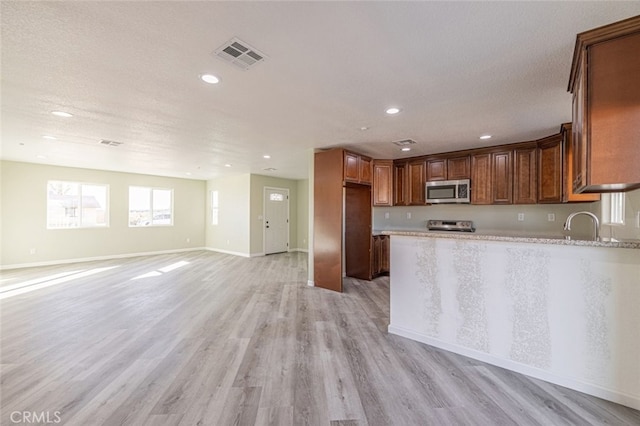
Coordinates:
[514,236]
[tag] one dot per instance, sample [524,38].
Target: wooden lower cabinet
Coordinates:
[381,247]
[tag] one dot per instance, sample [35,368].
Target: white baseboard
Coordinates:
[94,258]
[568,382]
[235,253]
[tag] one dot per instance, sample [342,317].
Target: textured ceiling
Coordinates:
[128,71]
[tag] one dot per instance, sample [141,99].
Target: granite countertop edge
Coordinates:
[556,240]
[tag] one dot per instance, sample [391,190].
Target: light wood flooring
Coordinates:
[203,338]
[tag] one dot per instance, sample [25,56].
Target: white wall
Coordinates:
[232,234]
[24,216]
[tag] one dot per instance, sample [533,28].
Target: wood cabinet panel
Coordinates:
[416,179]
[436,170]
[550,169]
[501,178]
[351,167]
[383,183]
[365,170]
[606,117]
[380,255]
[400,183]
[568,196]
[481,188]
[327,219]
[525,181]
[458,168]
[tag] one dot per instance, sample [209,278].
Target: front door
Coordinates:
[276,220]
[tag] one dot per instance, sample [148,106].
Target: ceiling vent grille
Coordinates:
[239,53]
[405,142]
[110,143]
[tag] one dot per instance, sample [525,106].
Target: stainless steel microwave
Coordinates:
[448,191]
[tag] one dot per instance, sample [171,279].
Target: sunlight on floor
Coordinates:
[161,271]
[48,281]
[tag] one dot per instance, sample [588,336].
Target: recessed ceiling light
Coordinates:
[405,149]
[41,156]
[485,137]
[210,78]
[52,138]
[363,128]
[267,156]
[393,110]
[227,165]
[188,173]
[61,114]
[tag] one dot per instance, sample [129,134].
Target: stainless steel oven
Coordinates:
[448,191]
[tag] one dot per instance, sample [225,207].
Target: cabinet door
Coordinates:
[376,258]
[501,178]
[385,248]
[416,183]
[382,183]
[525,171]
[550,170]
[436,170]
[351,167]
[481,188]
[567,170]
[458,168]
[400,184]
[365,166]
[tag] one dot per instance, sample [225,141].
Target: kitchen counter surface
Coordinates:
[514,236]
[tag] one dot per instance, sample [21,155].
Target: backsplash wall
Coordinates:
[491,218]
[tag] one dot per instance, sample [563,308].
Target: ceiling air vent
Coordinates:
[405,142]
[239,54]
[110,143]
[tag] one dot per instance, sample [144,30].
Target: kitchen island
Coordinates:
[564,311]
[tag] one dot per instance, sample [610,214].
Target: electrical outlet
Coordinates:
[408,215]
[386,215]
[520,217]
[32,251]
[188,240]
[551,217]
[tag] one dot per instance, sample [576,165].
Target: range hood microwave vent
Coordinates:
[239,53]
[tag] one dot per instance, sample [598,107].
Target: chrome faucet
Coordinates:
[596,223]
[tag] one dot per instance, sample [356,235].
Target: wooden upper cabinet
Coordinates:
[606,118]
[416,179]
[568,196]
[501,177]
[525,171]
[550,169]
[400,183]
[458,168]
[481,187]
[436,169]
[357,168]
[383,183]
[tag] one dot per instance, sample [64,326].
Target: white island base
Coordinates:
[569,315]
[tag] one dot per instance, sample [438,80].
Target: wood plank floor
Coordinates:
[203,338]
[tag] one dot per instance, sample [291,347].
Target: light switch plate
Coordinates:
[408,215]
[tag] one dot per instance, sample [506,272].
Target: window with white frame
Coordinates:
[214,207]
[150,206]
[77,205]
[613,208]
